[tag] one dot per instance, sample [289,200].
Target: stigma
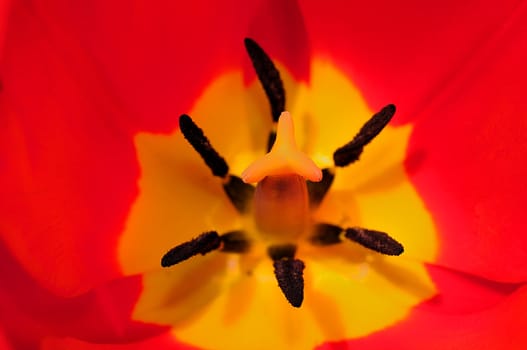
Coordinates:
[284,158]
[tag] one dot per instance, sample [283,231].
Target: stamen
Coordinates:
[230,242]
[317,190]
[284,158]
[375,240]
[203,244]
[326,234]
[282,251]
[351,152]
[235,242]
[289,274]
[269,76]
[201,144]
[239,192]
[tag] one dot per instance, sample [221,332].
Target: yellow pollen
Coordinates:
[284,158]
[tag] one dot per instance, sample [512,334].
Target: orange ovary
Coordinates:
[281,209]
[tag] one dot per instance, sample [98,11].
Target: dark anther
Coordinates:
[326,234]
[283,251]
[289,274]
[317,190]
[201,144]
[351,151]
[375,240]
[239,193]
[204,243]
[269,77]
[235,242]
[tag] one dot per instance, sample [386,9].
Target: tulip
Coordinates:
[98,181]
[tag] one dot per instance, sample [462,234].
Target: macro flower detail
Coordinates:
[287,241]
[98,181]
[281,200]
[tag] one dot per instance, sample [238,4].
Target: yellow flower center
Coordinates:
[229,301]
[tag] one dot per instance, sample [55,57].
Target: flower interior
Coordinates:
[288,185]
[309,226]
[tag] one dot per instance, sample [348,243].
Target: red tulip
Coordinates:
[98,182]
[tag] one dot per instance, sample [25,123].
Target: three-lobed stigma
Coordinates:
[284,158]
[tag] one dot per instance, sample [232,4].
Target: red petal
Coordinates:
[4,343]
[164,341]
[469,312]
[79,81]
[460,293]
[30,312]
[467,159]
[402,52]
[4,10]
[499,327]
[278,26]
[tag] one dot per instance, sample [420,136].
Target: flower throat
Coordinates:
[289,186]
